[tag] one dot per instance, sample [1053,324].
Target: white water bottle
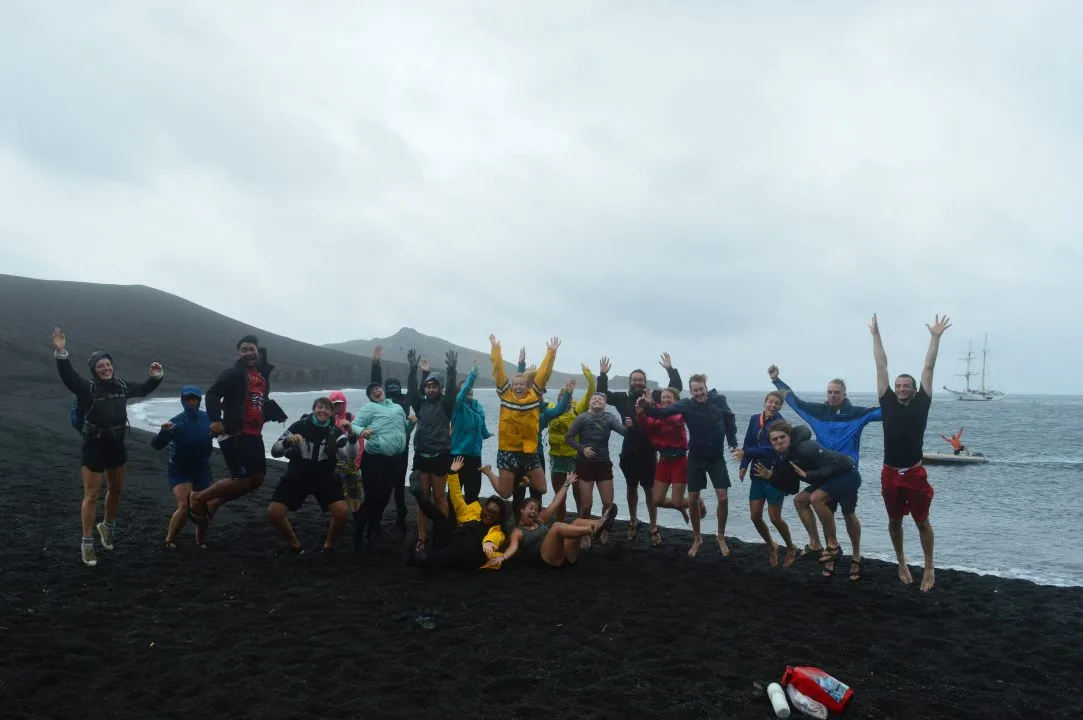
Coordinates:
[778,701]
[805,704]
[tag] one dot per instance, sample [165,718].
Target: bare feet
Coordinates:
[904,574]
[696,542]
[684,514]
[585,542]
[928,578]
[702,509]
[791,556]
[604,537]
[723,547]
[772,559]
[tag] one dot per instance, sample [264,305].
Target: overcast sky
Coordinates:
[736,183]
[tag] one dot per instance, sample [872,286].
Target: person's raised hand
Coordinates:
[604,366]
[522,355]
[451,358]
[553,344]
[569,387]
[874,326]
[665,361]
[475,367]
[493,341]
[772,372]
[156,369]
[571,478]
[424,366]
[939,325]
[59,340]
[377,353]
[457,464]
[411,357]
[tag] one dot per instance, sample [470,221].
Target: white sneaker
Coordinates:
[106,535]
[90,558]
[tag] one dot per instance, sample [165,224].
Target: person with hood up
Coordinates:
[314,444]
[393,391]
[833,477]
[348,471]
[101,401]
[188,436]
[468,432]
[383,426]
[433,402]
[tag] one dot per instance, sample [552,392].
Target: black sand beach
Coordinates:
[239,631]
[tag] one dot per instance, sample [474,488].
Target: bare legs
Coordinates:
[697,540]
[180,516]
[558,479]
[562,542]
[723,515]
[92,485]
[925,533]
[676,502]
[277,514]
[437,486]
[803,504]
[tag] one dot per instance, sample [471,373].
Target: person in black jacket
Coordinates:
[833,479]
[432,443]
[710,422]
[393,390]
[638,458]
[238,407]
[102,399]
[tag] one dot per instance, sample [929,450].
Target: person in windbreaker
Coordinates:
[188,436]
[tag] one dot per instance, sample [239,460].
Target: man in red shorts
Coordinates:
[903,480]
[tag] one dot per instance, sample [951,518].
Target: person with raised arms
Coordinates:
[710,423]
[468,432]
[589,435]
[757,446]
[188,436]
[432,444]
[903,480]
[561,454]
[101,403]
[544,543]
[520,418]
[838,425]
[393,390]
[638,459]
[670,438]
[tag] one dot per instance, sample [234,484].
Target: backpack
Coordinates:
[78,413]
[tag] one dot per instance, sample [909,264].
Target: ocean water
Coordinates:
[1010,517]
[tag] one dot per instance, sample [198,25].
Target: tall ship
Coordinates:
[981,393]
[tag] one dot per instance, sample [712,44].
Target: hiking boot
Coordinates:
[90,558]
[106,535]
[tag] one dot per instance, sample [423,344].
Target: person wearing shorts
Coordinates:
[710,424]
[314,445]
[589,434]
[670,438]
[903,481]
[433,403]
[188,438]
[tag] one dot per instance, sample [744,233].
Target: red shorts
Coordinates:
[906,492]
[672,470]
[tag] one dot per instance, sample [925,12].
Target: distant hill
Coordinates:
[137,324]
[433,349]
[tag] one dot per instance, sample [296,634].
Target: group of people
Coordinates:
[355,464]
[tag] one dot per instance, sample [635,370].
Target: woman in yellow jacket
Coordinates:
[561,454]
[520,415]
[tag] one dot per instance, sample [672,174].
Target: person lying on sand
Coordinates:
[189,439]
[466,540]
[313,445]
[545,545]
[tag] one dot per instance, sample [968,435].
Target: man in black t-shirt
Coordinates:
[903,480]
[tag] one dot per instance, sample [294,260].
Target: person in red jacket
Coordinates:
[670,438]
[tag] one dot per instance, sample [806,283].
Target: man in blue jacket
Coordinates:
[838,425]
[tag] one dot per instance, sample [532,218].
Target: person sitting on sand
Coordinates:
[434,407]
[670,438]
[589,434]
[466,540]
[710,423]
[956,442]
[238,405]
[313,445]
[757,446]
[189,439]
[101,400]
[546,545]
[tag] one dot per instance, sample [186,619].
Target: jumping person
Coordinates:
[638,459]
[670,438]
[101,401]
[838,425]
[903,480]
[434,406]
[757,446]
[549,412]
[238,406]
[546,545]
[561,454]
[465,540]
[710,423]
[956,442]
[468,433]
[589,434]
[348,471]
[383,426]
[188,436]
[393,391]
[313,445]
[835,480]
[520,417]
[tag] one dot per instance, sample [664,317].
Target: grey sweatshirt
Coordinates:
[593,431]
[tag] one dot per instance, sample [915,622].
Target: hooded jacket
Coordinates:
[635,442]
[839,429]
[819,463]
[757,444]
[667,435]
[468,428]
[226,397]
[337,396]
[559,416]
[316,457]
[433,415]
[520,417]
[389,426]
[189,439]
[376,375]
[104,402]
[710,423]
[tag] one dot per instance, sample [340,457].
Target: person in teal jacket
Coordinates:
[383,424]
[468,432]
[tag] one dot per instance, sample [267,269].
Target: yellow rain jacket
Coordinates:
[558,426]
[520,417]
[471,512]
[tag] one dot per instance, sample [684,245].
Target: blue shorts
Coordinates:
[199,477]
[763,490]
[843,491]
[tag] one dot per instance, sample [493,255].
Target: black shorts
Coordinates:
[244,455]
[102,455]
[439,465]
[292,491]
[639,469]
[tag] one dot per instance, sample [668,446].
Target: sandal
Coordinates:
[855,569]
[828,572]
[809,550]
[605,522]
[633,530]
[656,537]
[830,554]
